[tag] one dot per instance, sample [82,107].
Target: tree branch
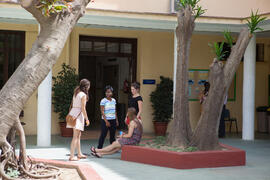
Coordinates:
[236,55]
[30,6]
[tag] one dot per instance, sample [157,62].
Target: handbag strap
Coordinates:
[79,114]
[70,107]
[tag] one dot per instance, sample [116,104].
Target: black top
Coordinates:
[133,102]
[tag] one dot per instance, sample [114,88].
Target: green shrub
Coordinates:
[162,100]
[63,89]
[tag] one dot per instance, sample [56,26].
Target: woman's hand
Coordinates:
[107,123]
[120,136]
[87,122]
[117,122]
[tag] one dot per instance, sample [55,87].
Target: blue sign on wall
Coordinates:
[149,81]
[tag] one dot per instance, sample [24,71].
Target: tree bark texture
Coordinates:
[205,136]
[180,132]
[54,31]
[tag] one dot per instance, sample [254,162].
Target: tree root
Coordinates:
[37,176]
[37,171]
[24,165]
[22,156]
[7,155]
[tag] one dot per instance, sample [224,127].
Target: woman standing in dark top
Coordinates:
[135,100]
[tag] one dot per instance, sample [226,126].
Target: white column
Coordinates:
[174,64]
[172,6]
[249,90]
[44,112]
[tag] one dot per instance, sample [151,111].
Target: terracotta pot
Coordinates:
[160,128]
[65,132]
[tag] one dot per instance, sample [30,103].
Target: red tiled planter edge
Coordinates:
[185,160]
[85,171]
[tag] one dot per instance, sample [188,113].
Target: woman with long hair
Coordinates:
[78,111]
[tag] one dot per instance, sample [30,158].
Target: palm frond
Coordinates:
[218,50]
[254,21]
[227,35]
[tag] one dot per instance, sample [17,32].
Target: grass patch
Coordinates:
[159,142]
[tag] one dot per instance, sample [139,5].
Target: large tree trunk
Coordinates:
[205,136]
[180,132]
[54,31]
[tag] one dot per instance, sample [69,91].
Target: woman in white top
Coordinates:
[78,111]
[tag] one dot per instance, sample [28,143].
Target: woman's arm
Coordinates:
[102,109]
[116,118]
[84,110]
[201,98]
[140,105]
[130,130]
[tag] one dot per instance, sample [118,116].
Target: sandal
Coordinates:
[73,159]
[96,155]
[93,149]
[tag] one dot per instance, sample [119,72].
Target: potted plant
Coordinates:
[63,88]
[162,103]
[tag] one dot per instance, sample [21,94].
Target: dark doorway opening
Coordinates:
[12,50]
[107,61]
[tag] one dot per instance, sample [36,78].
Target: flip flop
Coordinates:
[96,155]
[93,149]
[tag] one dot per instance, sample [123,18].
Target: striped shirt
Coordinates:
[109,108]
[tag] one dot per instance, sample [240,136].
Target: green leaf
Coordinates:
[228,37]
[254,21]
[217,48]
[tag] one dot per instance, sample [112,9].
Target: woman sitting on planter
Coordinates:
[133,136]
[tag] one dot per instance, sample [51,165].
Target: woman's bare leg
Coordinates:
[74,143]
[109,148]
[110,152]
[80,154]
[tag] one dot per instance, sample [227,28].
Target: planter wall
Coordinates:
[85,171]
[185,160]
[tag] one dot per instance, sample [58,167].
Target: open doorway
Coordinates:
[107,61]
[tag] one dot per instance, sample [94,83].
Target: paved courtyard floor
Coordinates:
[112,168]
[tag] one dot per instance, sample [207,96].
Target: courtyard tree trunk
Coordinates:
[180,132]
[205,136]
[54,31]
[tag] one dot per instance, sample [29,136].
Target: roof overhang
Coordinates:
[160,22]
